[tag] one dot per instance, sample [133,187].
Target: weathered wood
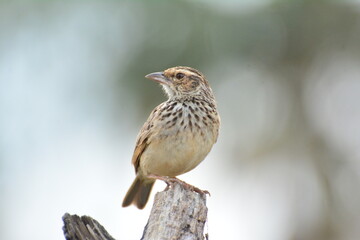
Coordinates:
[83,228]
[177,214]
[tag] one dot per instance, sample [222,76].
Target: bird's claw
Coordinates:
[171,180]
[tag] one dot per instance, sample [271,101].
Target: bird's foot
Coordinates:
[171,180]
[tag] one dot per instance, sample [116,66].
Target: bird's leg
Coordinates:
[166,179]
[170,180]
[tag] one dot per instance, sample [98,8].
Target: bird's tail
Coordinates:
[138,193]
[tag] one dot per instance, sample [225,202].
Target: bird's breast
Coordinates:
[176,153]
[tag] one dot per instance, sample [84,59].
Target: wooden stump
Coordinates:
[83,228]
[177,214]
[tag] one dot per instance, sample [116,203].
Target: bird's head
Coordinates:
[182,82]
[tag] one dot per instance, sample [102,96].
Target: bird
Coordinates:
[178,134]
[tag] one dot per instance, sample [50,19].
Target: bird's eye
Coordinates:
[179,75]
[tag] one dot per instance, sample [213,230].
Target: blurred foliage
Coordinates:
[283,35]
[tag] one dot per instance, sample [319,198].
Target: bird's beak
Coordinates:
[158,77]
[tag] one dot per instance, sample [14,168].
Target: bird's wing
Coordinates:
[142,141]
[141,145]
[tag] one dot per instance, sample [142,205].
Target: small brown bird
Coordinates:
[178,134]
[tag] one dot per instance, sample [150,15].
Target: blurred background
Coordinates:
[286,75]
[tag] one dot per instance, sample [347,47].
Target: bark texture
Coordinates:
[177,214]
[83,228]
